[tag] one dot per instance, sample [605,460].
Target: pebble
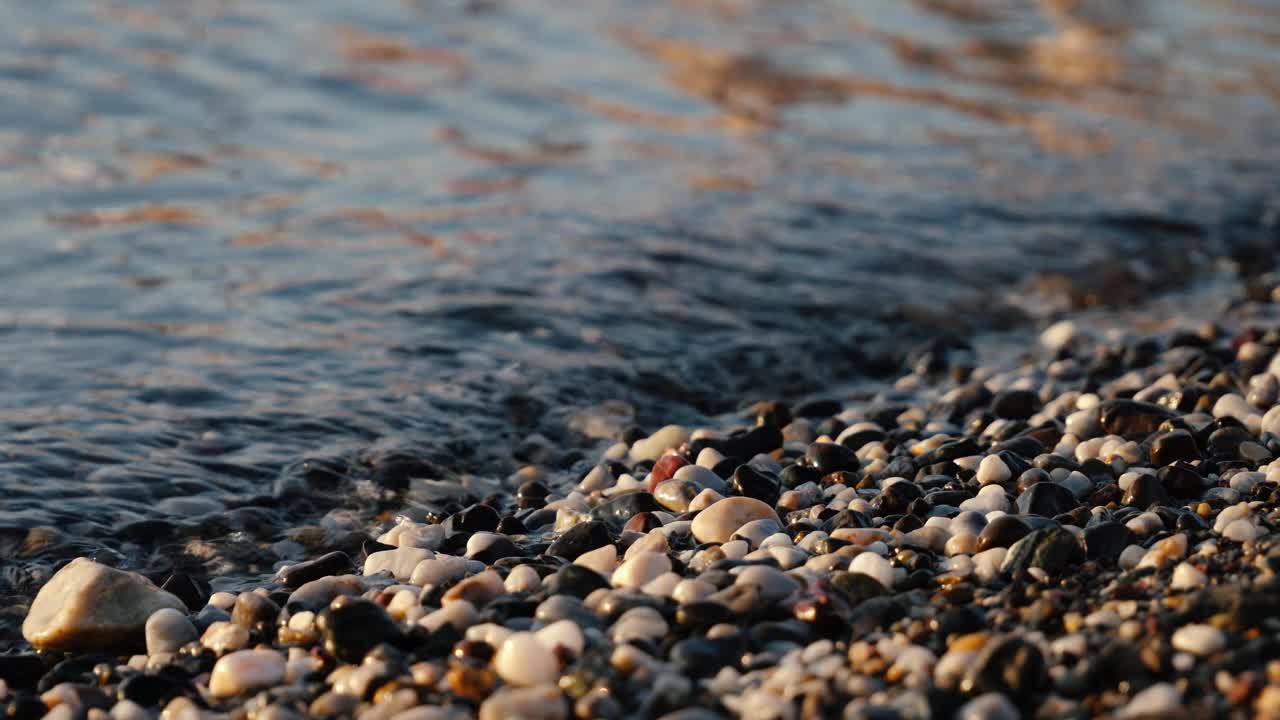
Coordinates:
[992,471]
[245,670]
[875,567]
[1161,700]
[721,520]
[1199,640]
[540,702]
[526,660]
[167,630]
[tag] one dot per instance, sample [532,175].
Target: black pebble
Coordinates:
[1106,540]
[192,592]
[1046,498]
[352,627]
[580,538]
[753,482]
[476,518]
[334,563]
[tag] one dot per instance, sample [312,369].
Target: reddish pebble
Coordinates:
[666,466]
[643,522]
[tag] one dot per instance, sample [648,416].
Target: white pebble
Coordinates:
[1159,700]
[1187,577]
[875,566]
[992,471]
[1199,640]
[167,630]
[523,660]
[640,569]
[246,670]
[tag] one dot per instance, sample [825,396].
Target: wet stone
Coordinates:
[1181,481]
[831,457]
[1173,445]
[1015,404]
[619,510]
[575,580]
[255,613]
[351,627]
[334,563]
[750,481]
[1047,499]
[1145,491]
[475,518]
[1051,549]
[579,539]
[1011,666]
[192,592]
[1131,419]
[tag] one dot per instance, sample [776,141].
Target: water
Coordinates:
[245,240]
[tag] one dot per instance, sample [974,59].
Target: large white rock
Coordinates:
[722,519]
[87,606]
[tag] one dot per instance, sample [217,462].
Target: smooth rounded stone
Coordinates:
[1162,700]
[756,482]
[603,560]
[575,580]
[638,623]
[1172,446]
[1187,577]
[675,495]
[334,563]
[988,499]
[522,578]
[579,539]
[1106,540]
[563,634]
[1002,532]
[721,520]
[702,477]
[1232,405]
[1130,419]
[773,583]
[1245,482]
[524,660]
[255,613]
[874,566]
[489,547]
[167,630]
[1199,640]
[1011,666]
[987,563]
[539,702]
[992,471]
[438,570]
[622,508]
[224,636]
[245,670]
[640,569]
[477,589]
[1051,550]
[317,594]
[756,531]
[830,457]
[1046,499]
[1241,531]
[989,706]
[88,606]
[351,627]
[664,469]
[1145,491]
[650,449]
[399,562]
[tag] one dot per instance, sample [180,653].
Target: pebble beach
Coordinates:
[671,359]
[1087,530]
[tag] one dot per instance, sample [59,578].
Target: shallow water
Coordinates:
[241,235]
